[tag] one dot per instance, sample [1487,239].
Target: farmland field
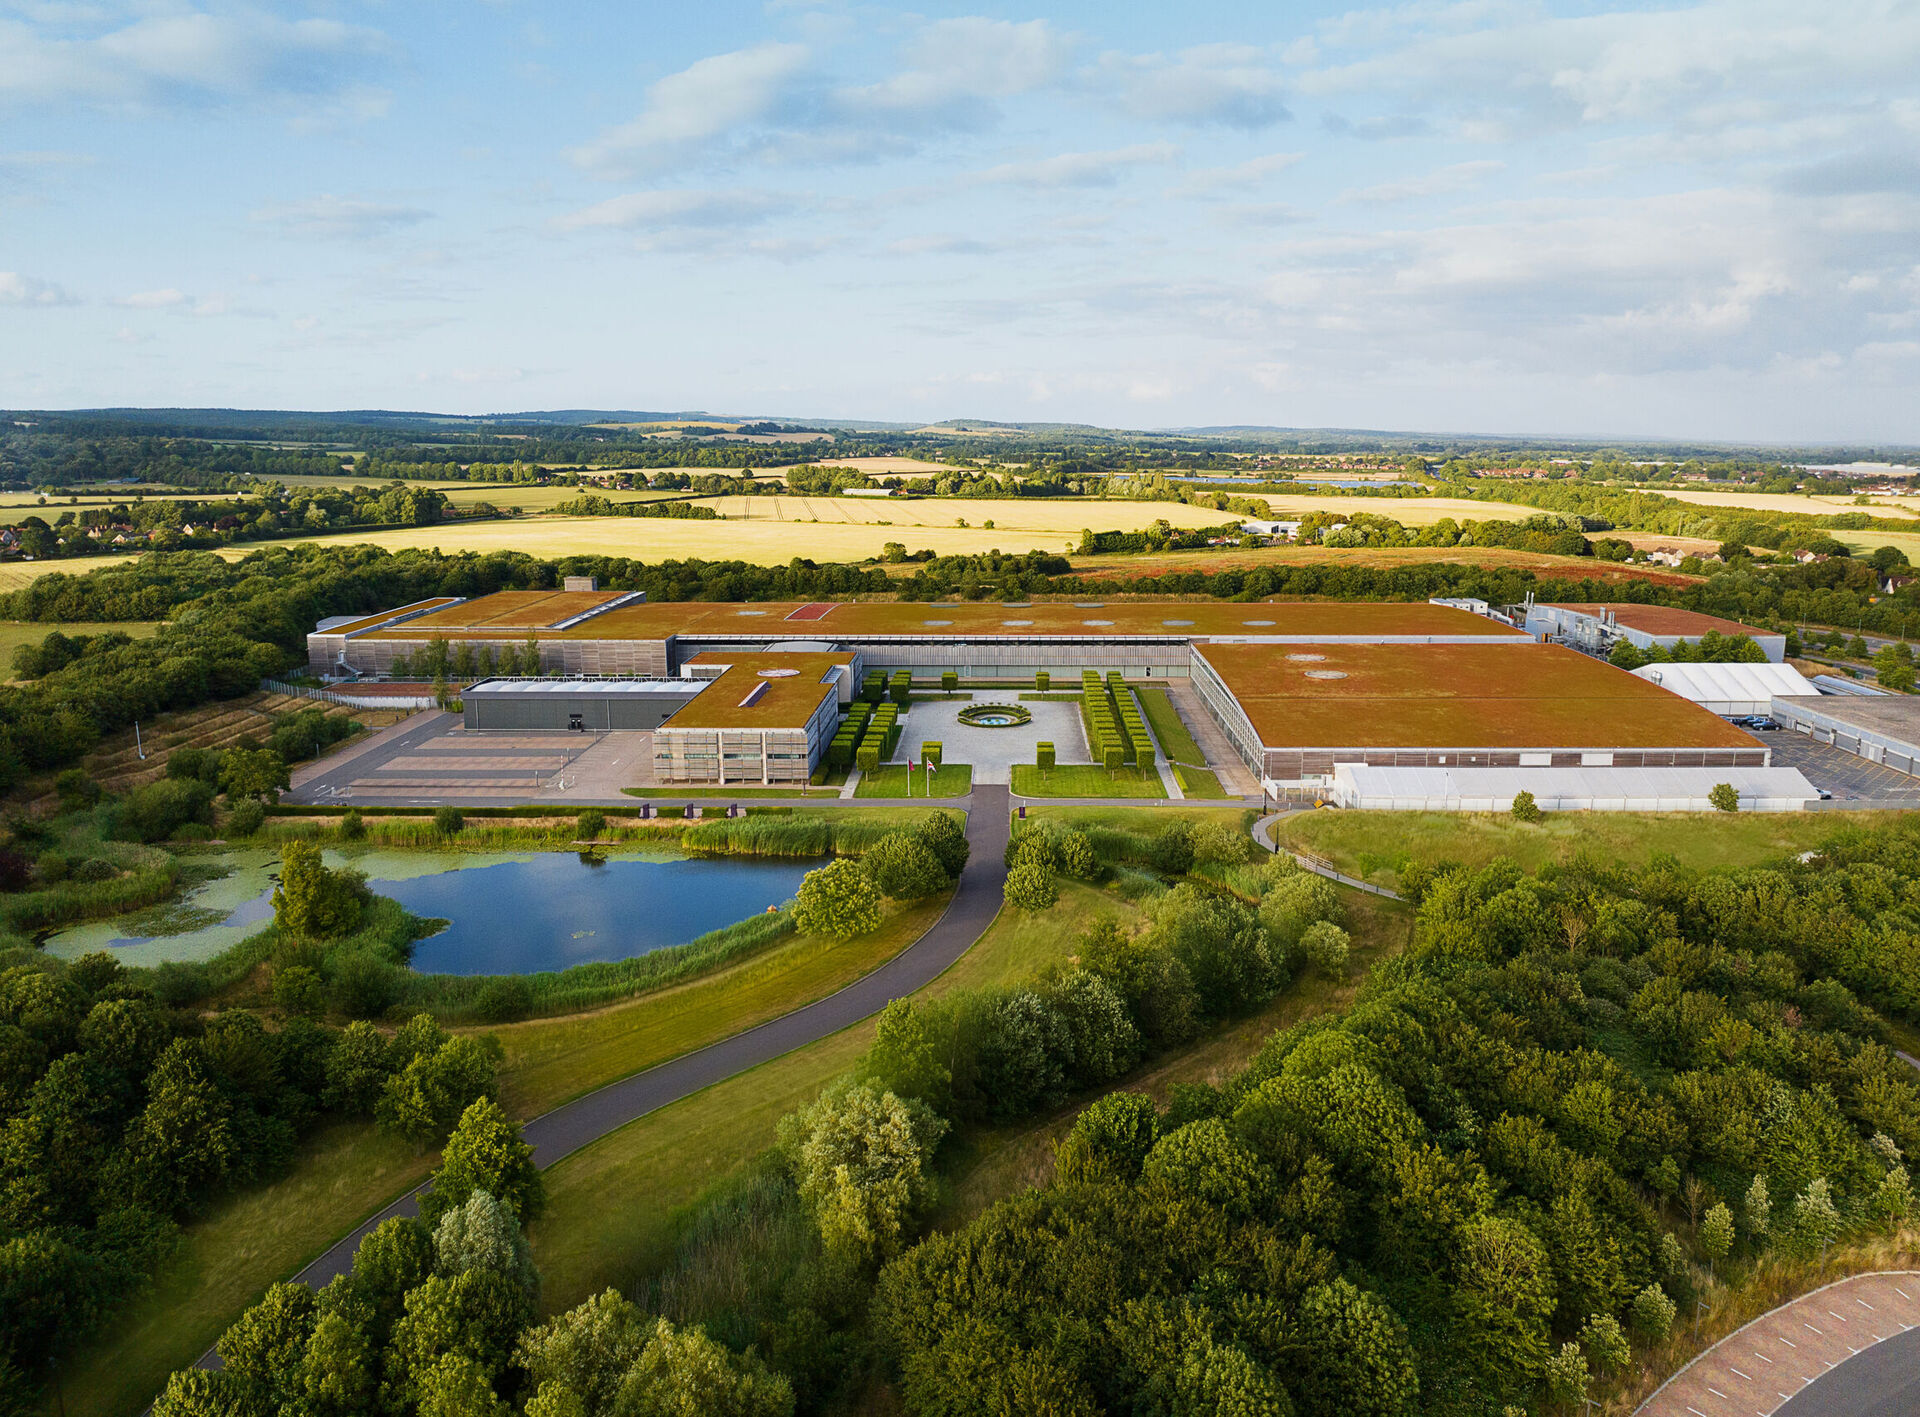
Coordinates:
[1046,514]
[1231,560]
[15,574]
[15,633]
[1795,502]
[763,540]
[1408,511]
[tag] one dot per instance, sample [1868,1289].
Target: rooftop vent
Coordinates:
[580,583]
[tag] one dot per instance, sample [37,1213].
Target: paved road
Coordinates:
[1884,1381]
[1848,1349]
[586,1119]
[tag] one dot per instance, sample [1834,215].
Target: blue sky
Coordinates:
[1689,220]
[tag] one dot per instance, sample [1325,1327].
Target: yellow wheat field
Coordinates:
[1042,514]
[1795,502]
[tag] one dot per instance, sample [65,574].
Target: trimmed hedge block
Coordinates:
[1043,754]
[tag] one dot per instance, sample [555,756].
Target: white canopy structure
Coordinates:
[1731,690]
[1432,789]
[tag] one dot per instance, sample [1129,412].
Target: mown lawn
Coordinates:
[347,1172]
[615,1207]
[1198,782]
[1374,845]
[1086,780]
[890,780]
[1175,741]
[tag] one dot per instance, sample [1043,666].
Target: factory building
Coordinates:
[751,692]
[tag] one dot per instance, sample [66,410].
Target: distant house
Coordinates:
[1890,584]
[1286,529]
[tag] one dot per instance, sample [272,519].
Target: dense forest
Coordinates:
[1520,1157]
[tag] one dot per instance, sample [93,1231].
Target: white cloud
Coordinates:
[698,108]
[679,207]
[179,56]
[1228,84]
[1457,177]
[1096,169]
[331,218]
[152,299]
[16,289]
[1236,178]
[170,298]
[967,60]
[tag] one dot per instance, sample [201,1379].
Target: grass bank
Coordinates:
[890,780]
[1198,782]
[1374,846]
[592,1237]
[1086,780]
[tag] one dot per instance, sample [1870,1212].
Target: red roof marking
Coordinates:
[814,611]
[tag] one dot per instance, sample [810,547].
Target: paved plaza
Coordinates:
[992,751]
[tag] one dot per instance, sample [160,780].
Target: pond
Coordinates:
[508,913]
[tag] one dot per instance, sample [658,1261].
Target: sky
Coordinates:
[1682,220]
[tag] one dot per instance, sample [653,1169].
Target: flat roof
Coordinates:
[1456,696]
[769,689]
[1890,715]
[509,613]
[519,610]
[348,624]
[1664,619]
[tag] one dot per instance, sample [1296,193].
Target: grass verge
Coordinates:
[890,780]
[339,1176]
[1198,782]
[1086,780]
[1375,845]
[593,1235]
[1176,743]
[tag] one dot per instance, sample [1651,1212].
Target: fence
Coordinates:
[334,696]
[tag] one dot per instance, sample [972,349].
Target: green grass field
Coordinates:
[1156,706]
[1372,845]
[890,780]
[1086,780]
[15,633]
[346,1172]
[593,1236]
[1198,782]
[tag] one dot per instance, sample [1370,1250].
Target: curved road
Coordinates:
[1884,1381]
[586,1119]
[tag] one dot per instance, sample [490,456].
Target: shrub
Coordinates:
[447,821]
[590,825]
[1041,679]
[298,990]
[903,867]
[352,827]
[1525,808]
[949,681]
[1724,798]
[862,1160]
[1031,886]
[839,901]
[77,790]
[1043,755]
[363,986]
[931,751]
[867,758]
[1109,1140]
[1172,850]
[1325,946]
[943,835]
[156,811]
[246,818]
[1222,842]
[504,999]
[16,872]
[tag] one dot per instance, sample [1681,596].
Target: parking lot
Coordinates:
[1837,771]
